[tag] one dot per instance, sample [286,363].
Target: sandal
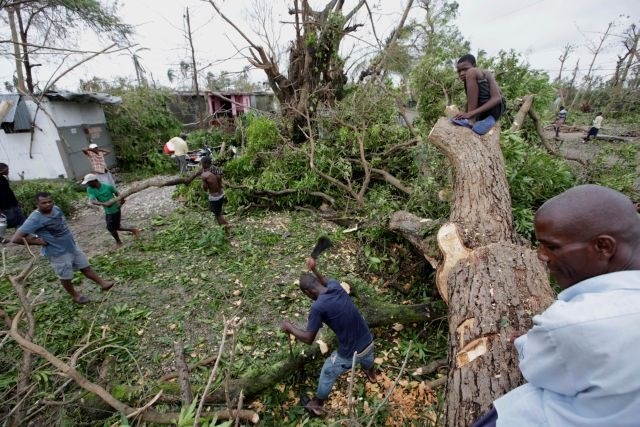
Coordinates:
[311,410]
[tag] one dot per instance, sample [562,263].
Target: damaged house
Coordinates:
[43,136]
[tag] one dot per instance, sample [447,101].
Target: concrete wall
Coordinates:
[78,126]
[56,152]
[45,160]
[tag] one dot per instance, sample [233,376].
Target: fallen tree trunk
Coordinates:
[492,283]
[518,121]
[154,182]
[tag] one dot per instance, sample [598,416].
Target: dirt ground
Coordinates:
[88,224]
[570,144]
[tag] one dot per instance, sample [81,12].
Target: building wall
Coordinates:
[45,160]
[78,126]
[56,152]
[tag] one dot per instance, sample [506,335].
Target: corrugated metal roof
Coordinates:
[18,113]
[100,98]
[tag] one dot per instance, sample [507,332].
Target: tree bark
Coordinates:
[493,284]
[518,121]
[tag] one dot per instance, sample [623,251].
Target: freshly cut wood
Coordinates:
[495,284]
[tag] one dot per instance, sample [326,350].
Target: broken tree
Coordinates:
[315,73]
[492,281]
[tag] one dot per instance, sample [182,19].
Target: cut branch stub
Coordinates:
[419,232]
[493,292]
[453,250]
[481,203]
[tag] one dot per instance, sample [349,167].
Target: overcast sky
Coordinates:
[536,28]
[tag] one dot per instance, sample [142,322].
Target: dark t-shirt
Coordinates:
[7,198]
[336,310]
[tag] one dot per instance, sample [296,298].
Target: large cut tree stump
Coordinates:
[492,282]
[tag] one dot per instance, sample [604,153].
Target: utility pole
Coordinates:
[16,50]
[193,67]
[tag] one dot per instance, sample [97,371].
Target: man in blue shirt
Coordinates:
[580,358]
[333,306]
[46,227]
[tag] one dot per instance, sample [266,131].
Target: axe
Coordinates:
[323,244]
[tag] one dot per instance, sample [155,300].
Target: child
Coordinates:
[561,117]
[595,127]
[485,103]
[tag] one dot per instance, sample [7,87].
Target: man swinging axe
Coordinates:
[333,306]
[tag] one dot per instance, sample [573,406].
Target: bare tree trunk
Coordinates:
[493,283]
[563,58]
[596,51]
[28,66]
[194,67]
[617,93]
[16,50]
[518,121]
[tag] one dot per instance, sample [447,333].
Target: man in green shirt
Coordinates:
[100,194]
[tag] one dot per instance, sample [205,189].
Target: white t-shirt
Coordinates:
[180,146]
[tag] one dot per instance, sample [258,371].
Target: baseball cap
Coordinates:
[89,177]
[92,146]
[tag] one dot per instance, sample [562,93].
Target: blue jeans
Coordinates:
[480,127]
[335,365]
[483,126]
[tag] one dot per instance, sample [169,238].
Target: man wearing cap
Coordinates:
[101,194]
[98,163]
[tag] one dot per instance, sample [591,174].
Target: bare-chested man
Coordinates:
[212,184]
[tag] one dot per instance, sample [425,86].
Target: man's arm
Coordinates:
[306,337]
[20,237]
[103,150]
[311,265]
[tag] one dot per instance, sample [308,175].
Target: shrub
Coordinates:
[63,192]
[534,176]
[139,128]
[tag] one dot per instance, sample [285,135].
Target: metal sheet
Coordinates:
[18,113]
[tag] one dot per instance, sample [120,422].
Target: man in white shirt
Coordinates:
[180,149]
[580,357]
[595,127]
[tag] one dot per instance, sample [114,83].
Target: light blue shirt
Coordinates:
[53,229]
[581,359]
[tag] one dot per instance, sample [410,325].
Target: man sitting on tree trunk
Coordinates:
[333,306]
[485,103]
[580,357]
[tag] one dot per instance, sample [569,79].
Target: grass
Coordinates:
[178,283]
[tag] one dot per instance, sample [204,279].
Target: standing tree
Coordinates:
[45,26]
[315,73]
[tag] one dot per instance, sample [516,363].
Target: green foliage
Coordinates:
[202,138]
[262,134]
[434,78]
[614,166]
[534,176]
[63,192]
[139,128]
